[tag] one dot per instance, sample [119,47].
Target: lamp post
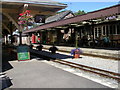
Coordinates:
[20,35]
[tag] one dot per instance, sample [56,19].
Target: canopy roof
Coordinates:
[49,2]
[103,13]
[12,8]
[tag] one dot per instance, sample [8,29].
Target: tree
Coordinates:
[80,12]
[119,2]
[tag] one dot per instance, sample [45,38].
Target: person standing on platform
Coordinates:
[38,40]
[39,47]
[106,41]
[53,49]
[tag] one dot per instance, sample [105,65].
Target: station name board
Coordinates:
[39,19]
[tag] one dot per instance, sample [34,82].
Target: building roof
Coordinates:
[49,2]
[12,8]
[57,17]
[102,13]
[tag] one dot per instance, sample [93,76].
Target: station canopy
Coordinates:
[12,8]
[90,17]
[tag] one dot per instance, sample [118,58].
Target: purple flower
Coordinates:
[72,51]
[77,50]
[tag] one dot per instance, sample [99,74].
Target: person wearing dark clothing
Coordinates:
[31,46]
[106,41]
[84,41]
[38,40]
[39,47]
[53,49]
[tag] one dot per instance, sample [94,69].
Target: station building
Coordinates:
[49,36]
[93,25]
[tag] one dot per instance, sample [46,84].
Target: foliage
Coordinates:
[77,50]
[25,18]
[80,12]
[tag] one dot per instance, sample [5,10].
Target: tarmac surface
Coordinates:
[38,74]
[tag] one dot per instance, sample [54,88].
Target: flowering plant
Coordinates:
[77,50]
[25,18]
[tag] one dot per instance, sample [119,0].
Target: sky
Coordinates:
[90,6]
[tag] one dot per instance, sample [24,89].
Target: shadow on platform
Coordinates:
[6,57]
[49,56]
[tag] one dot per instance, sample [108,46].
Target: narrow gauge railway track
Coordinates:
[101,72]
[92,55]
[94,70]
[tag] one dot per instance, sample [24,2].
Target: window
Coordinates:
[118,28]
[107,30]
[110,29]
[99,32]
[95,32]
[114,29]
[104,30]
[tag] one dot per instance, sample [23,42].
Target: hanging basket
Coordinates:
[76,55]
[29,23]
[76,52]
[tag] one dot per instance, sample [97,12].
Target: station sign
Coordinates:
[39,19]
[23,53]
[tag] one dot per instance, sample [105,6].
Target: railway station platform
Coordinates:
[36,73]
[104,53]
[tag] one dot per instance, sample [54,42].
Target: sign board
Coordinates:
[23,53]
[39,19]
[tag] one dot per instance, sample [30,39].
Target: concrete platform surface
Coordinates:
[38,74]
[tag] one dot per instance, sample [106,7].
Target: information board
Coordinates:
[23,53]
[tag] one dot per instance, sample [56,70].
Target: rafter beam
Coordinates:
[6,27]
[6,10]
[34,12]
[11,19]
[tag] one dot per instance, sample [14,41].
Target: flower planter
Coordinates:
[76,52]
[76,55]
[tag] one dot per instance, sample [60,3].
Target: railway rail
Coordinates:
[93,55]
[101,72]
[94,70]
